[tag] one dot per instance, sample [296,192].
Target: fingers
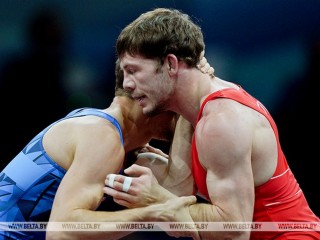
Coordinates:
[111,180]
[211,71]
[121,198]
[126,184]
[154,158]
[151,149]
[202,54]
[189,200]
[203,62]
[114,193]
[137,170]
[118,182]
[205,67]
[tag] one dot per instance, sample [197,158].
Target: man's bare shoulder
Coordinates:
[225,115]
[76,134]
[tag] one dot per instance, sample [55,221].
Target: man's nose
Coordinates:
[128,83]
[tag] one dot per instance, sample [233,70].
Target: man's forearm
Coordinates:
[206,212]
[105,224]
[179,179]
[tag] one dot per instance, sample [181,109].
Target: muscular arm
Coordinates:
[179,179]
[97,152]
[224,146]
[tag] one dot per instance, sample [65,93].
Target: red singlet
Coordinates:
[278,200]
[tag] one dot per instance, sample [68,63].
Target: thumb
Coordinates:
[157,151]
[136,170]
[189,200]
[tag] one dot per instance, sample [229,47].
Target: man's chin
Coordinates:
[151,112]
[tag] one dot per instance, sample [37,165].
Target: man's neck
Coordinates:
[192,87]
[133,123]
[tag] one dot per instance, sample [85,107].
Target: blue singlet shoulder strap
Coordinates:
[97,112]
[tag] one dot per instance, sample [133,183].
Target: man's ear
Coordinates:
[172,64]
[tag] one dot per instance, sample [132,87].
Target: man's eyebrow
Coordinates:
[127,66]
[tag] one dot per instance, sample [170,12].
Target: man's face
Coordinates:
[148,84]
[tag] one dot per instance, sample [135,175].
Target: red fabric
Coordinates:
[278,200]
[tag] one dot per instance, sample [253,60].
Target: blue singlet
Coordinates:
[29,182]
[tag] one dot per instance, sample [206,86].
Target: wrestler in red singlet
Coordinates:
[280,199]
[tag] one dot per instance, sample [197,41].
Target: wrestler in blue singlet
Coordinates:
[29,182]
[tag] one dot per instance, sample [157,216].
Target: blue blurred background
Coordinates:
[59,55]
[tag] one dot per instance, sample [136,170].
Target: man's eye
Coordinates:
[130,71]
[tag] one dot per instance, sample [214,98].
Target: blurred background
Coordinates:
[59,55]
